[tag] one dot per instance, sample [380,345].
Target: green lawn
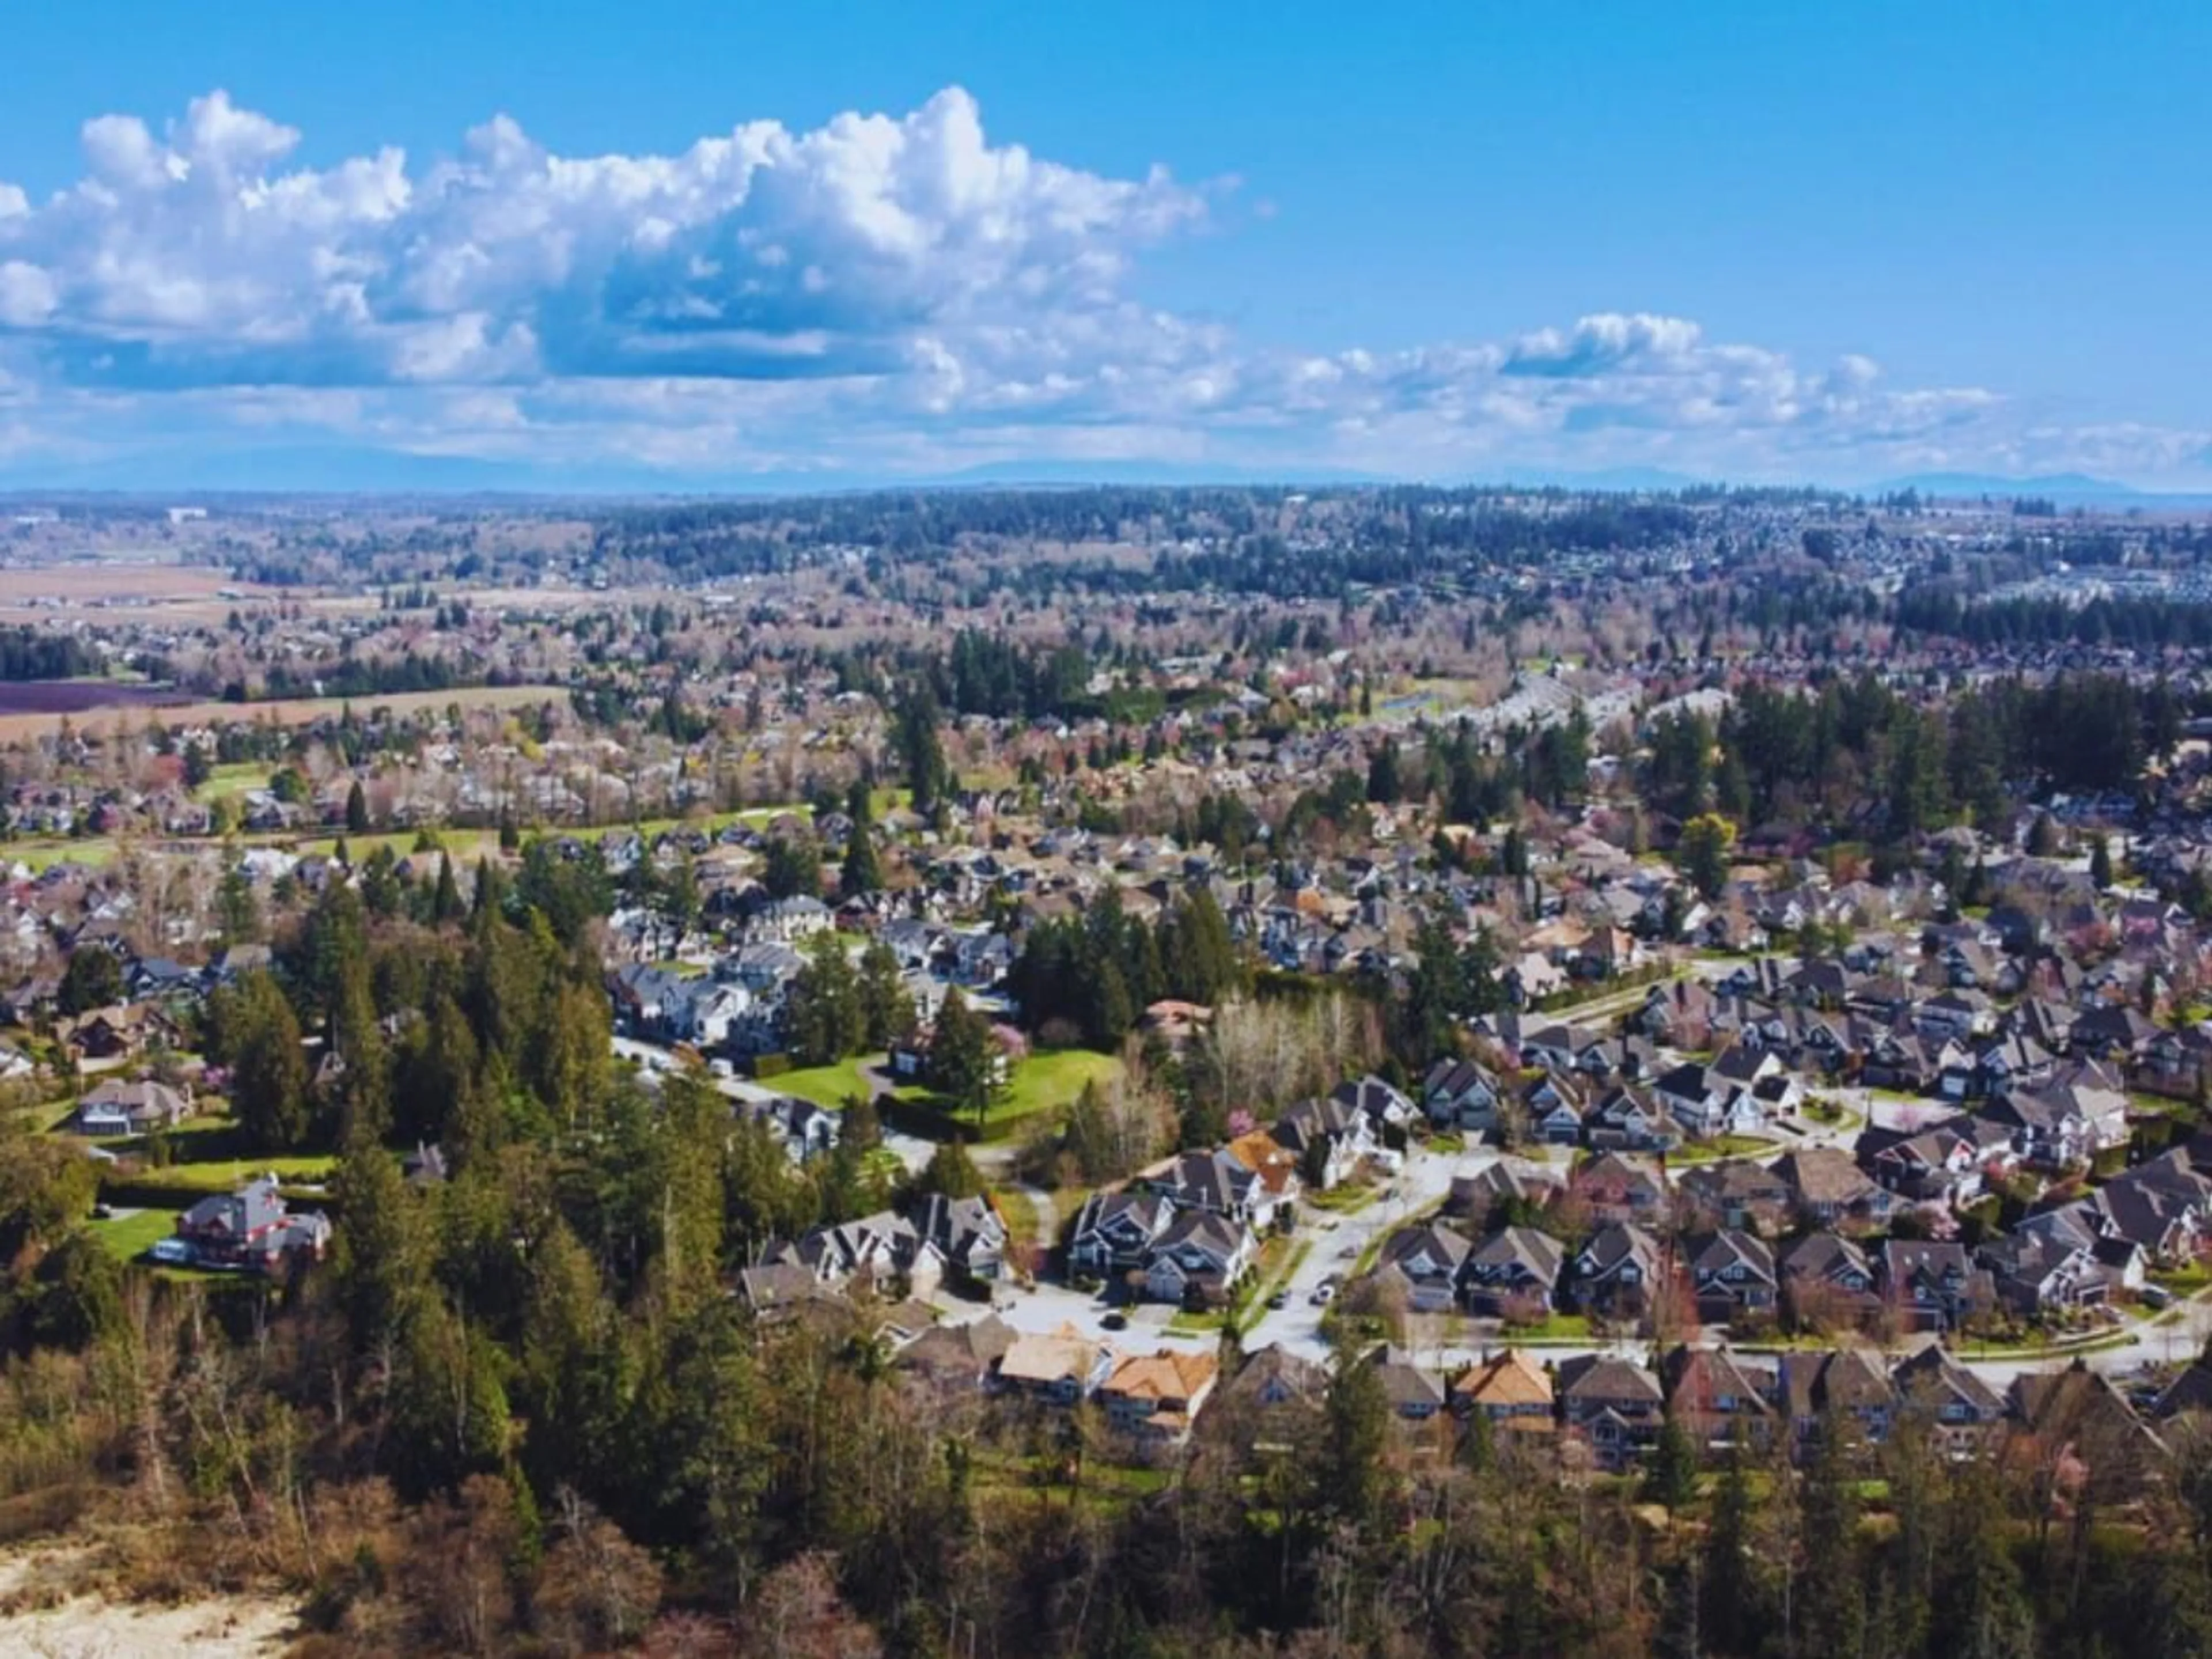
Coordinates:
[233,778]
[826,1085]
[1721,1147]
[194,1181]
[1349,1199]
[1554,1327]
[38,855]
[128,1237]
[1045,1082]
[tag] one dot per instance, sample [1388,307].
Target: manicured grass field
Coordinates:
[196,1180]
[1044,1082]
[1721,1147]
[1555,1327]
[1048,1082]
[829,1085]
[128,1237]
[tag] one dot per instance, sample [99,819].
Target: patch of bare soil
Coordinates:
[46,1612]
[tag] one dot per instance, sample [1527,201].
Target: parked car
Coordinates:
[1280,1299]
[1324,1294]
[1115,1321]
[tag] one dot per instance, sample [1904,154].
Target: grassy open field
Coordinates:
[1045,1082]
[130,1237]
[828,1085]
[295,711]
[191,1182]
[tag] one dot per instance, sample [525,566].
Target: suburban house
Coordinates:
[1198,1258]
[1827,1187]
[805,1130]
[1508,1181]
[1328,1137]
[1613,1404]
[1061,1368]
[1617,1272]
[958,1357]
[1933,1284]
[1738,1193]
[1849,1385]
[966,1232]
[1386,1108]
[1827,1280]
[1156,1397]
[250,1229]
[2058,1126]
[114,1108]
[1510,1390]
[1732,1276]
[1516,1265]
[2038,1273]
[1630,1121]
[1458,1094]
[1415,1396]
[1274,1377]
[1716,1397]
[1114,1232]
[1962,1409]
[1618,1189]
[1427,1262]
[1216,1182]
[1706,1105]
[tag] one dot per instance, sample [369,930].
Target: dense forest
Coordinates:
[29,654]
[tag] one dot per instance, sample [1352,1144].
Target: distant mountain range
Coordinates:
[2065,489]
[319,470]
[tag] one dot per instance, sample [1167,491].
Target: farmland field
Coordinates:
[295,711]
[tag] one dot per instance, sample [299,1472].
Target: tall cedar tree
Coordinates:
[268,1066]
[962,1054]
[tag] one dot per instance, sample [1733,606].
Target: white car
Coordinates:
[1324,1294]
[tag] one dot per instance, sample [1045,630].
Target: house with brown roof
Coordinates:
[1718,1398]
[1060,1369]
[1510,1389]
[1274,1377]
[1827,1187]
[959,1356]
[1961,1410]
[1159,1396]
[1827,1283]
[1619,1188]
[1849,1385]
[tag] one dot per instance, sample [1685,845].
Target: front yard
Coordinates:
[1721,1147]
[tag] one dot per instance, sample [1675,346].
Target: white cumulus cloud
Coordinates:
[898,292]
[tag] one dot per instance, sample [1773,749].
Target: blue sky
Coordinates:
[706,244]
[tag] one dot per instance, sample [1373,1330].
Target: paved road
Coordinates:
[1337,1241]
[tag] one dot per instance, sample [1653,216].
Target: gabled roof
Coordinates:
[1933,1378]
[1505,1381]
[1591,1378]
[1715,1253]
[1168,1376]
[1825,1256]
[1538,1253]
